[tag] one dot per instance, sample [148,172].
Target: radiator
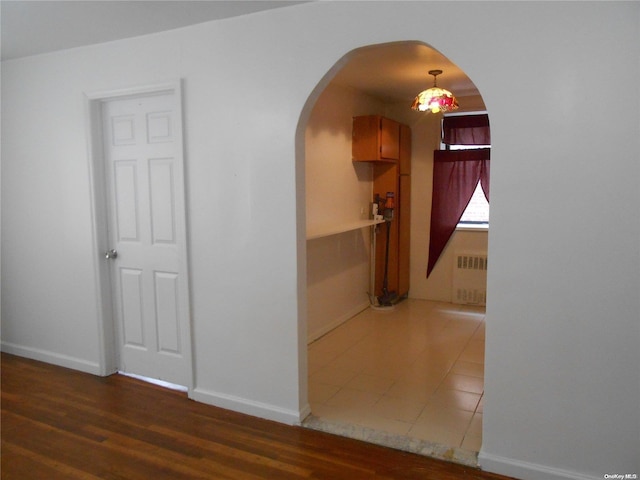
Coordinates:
[469,278]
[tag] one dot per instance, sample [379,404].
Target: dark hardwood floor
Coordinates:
[63,424]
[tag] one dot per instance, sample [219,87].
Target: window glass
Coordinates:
[477,212]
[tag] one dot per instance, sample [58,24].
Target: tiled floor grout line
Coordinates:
[466,430]
[396,379]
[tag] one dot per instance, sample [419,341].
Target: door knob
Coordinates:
[111,254]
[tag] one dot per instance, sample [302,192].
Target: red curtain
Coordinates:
[466,130]
[456,174]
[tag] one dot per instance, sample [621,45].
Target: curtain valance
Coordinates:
[468,155]
[466,130]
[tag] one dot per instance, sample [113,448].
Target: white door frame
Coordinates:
[109,352]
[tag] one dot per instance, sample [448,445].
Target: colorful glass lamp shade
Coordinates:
[435,99]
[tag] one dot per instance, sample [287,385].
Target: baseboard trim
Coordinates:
[53,358]
[250,407]
[526,470]
[313,336]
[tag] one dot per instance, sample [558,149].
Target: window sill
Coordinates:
[472,228]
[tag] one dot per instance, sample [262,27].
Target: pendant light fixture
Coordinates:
[435,99]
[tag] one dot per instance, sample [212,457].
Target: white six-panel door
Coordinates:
[145,189]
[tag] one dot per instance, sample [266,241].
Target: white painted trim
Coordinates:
[471,228]
[304,413]
[250,407]
[526,470]
[313,336]
[52,358]
[136,90]
[106,335]
[106,329]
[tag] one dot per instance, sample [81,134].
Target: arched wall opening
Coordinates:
[334,268]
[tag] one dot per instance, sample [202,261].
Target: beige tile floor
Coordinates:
[417,370]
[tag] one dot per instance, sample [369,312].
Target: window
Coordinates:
[477,212]
[457,169]
[476,215]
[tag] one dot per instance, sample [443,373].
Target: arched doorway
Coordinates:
[337,193]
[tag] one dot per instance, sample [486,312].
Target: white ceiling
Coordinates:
[33,27]
[392,72]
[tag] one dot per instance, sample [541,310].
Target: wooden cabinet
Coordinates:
[404,233]
[386,144]
[404,159]
[404,210]
[375,139]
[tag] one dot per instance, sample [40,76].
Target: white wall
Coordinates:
[338,192]
[561,378]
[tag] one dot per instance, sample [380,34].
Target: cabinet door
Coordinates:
[365,144]
[375,139]
[405,150]
[389,139]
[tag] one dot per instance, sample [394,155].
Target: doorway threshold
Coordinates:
[404,443]
[154,381]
